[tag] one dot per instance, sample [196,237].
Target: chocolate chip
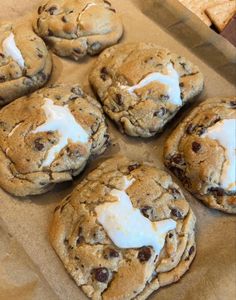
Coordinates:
[52,9]
[39,146]
[175,212]
[119,99]
[146,211]
[113,253]
[196,147]
[40,55]
[40,10]
[178,159]
[64,19]
[217,191]
[66,242]
[77,91]
[175,193]
[233,104]
[182,95]
[107,2]
[144,254]
[181,84]
[160,113]
[101,274]
[164,97]
[133,167]
[2,55]
[201,130]
[170,235]
[50,33]
[103,73]
[2,78]
[191,250]
[190,128]
[77,50]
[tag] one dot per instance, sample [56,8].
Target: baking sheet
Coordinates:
[212,275]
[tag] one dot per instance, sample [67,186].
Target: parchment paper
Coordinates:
[35,271]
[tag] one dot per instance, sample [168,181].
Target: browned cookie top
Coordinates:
[42,138]
[104,270]
[143,110]
[202,161]
[76,28]
[21,76]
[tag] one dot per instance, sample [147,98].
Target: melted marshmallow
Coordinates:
[10,49]
[60,119]
[86,8]
[171,80]
[225,133]
[127,227]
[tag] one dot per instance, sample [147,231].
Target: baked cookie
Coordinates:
[142,86]
[201,152]
[78,28]
[25,64]
[48,137]
[125,231]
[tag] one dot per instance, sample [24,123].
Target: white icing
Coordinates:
[84,10]
[171,80]
[10,49]
[60,119]
[225,133]
[127,227]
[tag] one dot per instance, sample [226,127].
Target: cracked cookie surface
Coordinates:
[101,268]
[142,86]
[25,63]
[201,152]
[47,138]
[78,28]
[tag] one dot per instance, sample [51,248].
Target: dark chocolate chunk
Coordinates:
[178,159]
[144,254]
[175,212]
[103,73]
[133,167]
[217,191]
[146,211]
[190,128]
[64,19]
[113,253]
[174,192]
[52,9]
[40,10]
[119,100]
[77,91]
[191,250]
[164,97]
[196,147]
[38,145]
[233,104]
[2,78]
[101,274]
[160,113]
[50,33]
[2,55]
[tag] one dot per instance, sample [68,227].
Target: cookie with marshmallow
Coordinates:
[78,28]
[48,137]
[201,152]
[142,86]
[125,231]
[25,63]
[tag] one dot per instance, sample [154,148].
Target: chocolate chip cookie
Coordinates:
[142,86]
[48,137]
[25,64]
[125,231]
[201,152]
[78,28]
